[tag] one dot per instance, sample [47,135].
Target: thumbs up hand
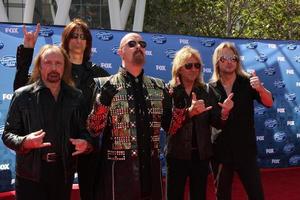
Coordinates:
[255,82]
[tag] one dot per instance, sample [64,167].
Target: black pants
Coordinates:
[248,173]
[88,171]
[177,173]
[52,185]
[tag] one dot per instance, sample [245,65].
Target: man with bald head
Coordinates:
[129,110]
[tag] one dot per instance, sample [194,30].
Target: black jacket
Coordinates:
[179,145]
[24,117]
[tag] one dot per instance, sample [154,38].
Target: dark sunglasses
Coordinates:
[190,65]
[76,36]
[228,58]
[133,43]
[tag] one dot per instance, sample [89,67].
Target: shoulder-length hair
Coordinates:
[180,59]
[36,72]
[70,29]
[216,57]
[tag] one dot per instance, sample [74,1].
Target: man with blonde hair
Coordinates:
[235,146]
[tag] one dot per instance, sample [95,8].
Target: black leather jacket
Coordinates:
[179,145]
[84,79]
[24,117]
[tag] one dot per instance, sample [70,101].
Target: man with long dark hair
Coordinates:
[45,127]
[77,41]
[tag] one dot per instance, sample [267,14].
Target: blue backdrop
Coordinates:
[276,62]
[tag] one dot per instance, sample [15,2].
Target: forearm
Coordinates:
[24,59]
[266,97]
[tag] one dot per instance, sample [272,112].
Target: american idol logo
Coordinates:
[270,123]
[170,53]
[290,96]
[291,46]
[259,110]
[251,45]
[159,39]
[279,84]
[297,109]
[289,148]
[294,160]
[115,49]
[297,59]
[1,45]
[270,71]
[104,35]
[261,58]
[46,32]
[8,61]
[208,42]
[280,136]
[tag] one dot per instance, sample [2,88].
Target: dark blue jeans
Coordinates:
[177,173]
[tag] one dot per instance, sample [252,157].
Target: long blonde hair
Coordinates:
[216,57]
[36,72]
[180,59]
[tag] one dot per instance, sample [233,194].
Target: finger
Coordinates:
[37,30]
[220,104]
[253,73]
[194,97]
[73,141]
[39,132]
[230,96]
[77,153]
[24,29]
[208,108]
[178,81]
[45,144]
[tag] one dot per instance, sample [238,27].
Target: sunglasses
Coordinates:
[76,36]
[228,58]
[133,43]
[190,65]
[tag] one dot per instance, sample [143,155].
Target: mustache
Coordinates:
[138,51]
[53,73]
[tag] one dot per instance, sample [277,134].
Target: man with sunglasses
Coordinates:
[77,41]
[189,147]
[235,145]
[129,110]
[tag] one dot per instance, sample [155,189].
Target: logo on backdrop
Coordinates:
[8,61]
[251,45]
[170,53]
[46,32]
[1,45]
[261,57]
[104,35]
[208,42]
[159,39]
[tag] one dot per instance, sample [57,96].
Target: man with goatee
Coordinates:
[129,110]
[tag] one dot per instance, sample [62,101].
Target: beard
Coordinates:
[53,77]
[138,57]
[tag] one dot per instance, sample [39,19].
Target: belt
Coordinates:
[50,157]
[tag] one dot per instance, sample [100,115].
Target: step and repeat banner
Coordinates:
[276,62]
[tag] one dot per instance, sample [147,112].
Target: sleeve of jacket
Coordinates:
[24,59]
[173,118]
[13,134]
[97,119]
[215,112]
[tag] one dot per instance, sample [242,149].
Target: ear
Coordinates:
[120,52]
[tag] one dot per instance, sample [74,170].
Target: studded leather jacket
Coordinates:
[119,131]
